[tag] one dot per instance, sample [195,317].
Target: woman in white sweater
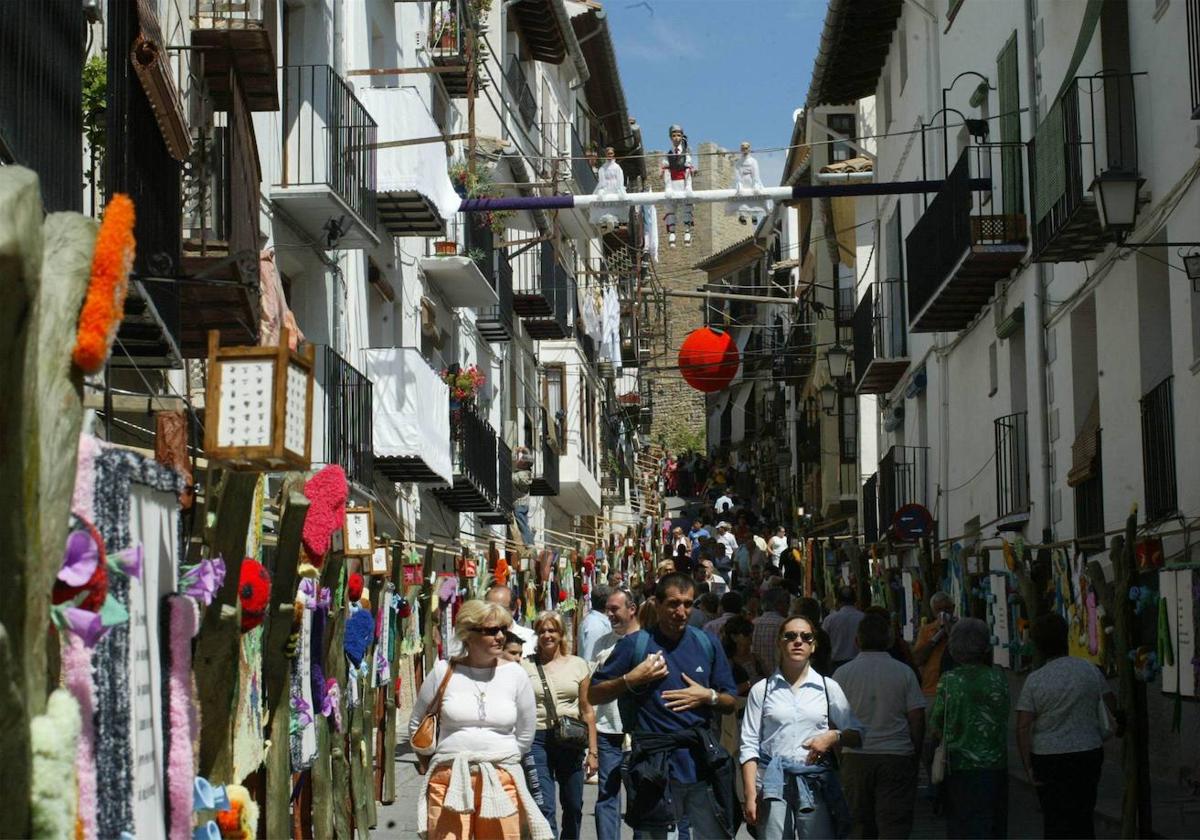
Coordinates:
[474,787]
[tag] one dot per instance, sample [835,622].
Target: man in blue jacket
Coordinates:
[670,681]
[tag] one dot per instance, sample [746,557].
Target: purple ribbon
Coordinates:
[315,598]
[202,580]
[303,711]
[80,559]
[129,562]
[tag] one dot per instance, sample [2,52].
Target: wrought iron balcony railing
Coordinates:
[1158,450]
[902,481]
[581,167]
[870,513]
[880,338]
[475,455]
[1089,504]
[1012,464]
[543,292]
[521,93]
[348,415]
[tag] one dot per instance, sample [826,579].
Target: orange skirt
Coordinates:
[445,824]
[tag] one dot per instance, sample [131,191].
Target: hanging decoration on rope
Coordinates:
[610,189]
[708,359]
[747,184]
[677,170]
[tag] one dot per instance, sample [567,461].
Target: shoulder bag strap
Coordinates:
[547,699]
[825,691]
[435,708]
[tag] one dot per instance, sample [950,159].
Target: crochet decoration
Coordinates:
[104,306]
[254,591]
[240,820]
[53,738]
[327,492]
[354,588]
[360,631]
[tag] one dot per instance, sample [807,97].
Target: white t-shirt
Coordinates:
[488,710]
[723,504]
[882,692]
[1064,696]
[777,544]
[608,715]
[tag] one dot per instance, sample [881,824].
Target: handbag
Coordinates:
[568,731]
[937,768]
[424,739]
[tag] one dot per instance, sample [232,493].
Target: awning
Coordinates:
[419,168]
[1085,451]
[405,393]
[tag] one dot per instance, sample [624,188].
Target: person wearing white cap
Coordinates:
[724,503]
[728,541]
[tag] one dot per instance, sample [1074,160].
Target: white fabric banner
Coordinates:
[411,409]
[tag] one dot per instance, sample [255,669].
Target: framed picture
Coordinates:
[381,561]
[358,534]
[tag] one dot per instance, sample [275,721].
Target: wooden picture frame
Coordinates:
[380,562]
[358,532]
[258,406]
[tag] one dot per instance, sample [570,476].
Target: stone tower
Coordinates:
[678,408]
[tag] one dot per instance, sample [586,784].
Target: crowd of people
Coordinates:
[695,713]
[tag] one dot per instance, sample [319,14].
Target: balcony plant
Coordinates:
[464,384]
[479,184]
[445,27]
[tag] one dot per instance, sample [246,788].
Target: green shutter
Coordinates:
[1008,80]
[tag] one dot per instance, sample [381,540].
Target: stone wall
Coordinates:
[679,410]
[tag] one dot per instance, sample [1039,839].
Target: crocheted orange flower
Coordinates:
[104,306]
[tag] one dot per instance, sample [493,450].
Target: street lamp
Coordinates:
[828,397]
[1116,192]
[1191,264]
[838,358]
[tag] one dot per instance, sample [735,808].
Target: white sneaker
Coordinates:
[671,239]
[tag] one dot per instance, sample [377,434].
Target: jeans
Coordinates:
[780,819]
[1067,790]
[561,766]
[608,793]
[521,515]
[977,803]
[693,806]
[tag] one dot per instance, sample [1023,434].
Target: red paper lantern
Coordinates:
[708,359]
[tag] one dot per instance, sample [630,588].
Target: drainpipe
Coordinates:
[1035,338]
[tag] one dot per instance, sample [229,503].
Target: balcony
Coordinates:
[501,514]
[902,480]
[1012,471]
[545,472]
[1089,495]
[448,29]
[541,24]
[465,278]
[237,36]
[581,168]
[327,176]
[612,489]
[411,435]
[342,417]
[1158,451]
[494,322]
[880,338]
[956,252]
[542,292]
[1091,129]
[221,181]
[521,94]
[474,455]
[578,489]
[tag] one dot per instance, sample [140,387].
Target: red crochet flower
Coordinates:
[327,492]
[254,591]
[354,587]
[104,304]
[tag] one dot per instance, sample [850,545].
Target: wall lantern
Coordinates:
[1191,264]
[829,396]
[259,404]
[1116,193]
[838,358]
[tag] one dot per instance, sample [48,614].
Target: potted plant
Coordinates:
[445,27]
[478,184]
[445,248]
[464,384]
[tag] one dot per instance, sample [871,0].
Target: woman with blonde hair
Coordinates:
[565,739]
[474,787]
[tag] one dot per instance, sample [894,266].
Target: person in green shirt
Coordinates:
[970,715]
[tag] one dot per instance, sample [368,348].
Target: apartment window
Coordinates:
[848,429]
[885,106]
[843,125]
[554,397]
[1008,83]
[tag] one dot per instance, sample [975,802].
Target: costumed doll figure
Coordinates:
[610,186]
[746,182]
[677,171]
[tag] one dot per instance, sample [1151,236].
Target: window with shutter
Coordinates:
[1008,81]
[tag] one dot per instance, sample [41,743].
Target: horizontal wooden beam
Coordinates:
[404,71]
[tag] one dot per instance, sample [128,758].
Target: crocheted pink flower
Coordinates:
[327,492]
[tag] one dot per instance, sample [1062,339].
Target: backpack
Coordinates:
[626,703]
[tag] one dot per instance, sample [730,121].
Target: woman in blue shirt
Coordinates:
[794,721]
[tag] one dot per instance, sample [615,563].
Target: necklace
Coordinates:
[480,697]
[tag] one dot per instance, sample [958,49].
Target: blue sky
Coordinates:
[727,70]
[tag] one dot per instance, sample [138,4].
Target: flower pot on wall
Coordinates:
[445,248]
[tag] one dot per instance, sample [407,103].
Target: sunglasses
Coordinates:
[791,636]
[490,631]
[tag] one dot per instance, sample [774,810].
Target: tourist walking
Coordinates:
[566,724]
[610,732]
[1062,712]
[842,626]
[793,722]
[970,717]
[774,606]
[880,777]
[932,641]
[595,623]
[822,658]
[673,679]
[731,605]
[485,718]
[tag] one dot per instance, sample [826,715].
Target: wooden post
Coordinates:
[230,497]
[40,419]
[1136,811]
[276,664]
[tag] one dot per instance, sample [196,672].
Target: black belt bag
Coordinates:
[567,731]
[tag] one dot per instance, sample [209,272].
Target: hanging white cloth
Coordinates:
[589,316]
[650,231]
[610,186]
[746,179]
[610,344]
